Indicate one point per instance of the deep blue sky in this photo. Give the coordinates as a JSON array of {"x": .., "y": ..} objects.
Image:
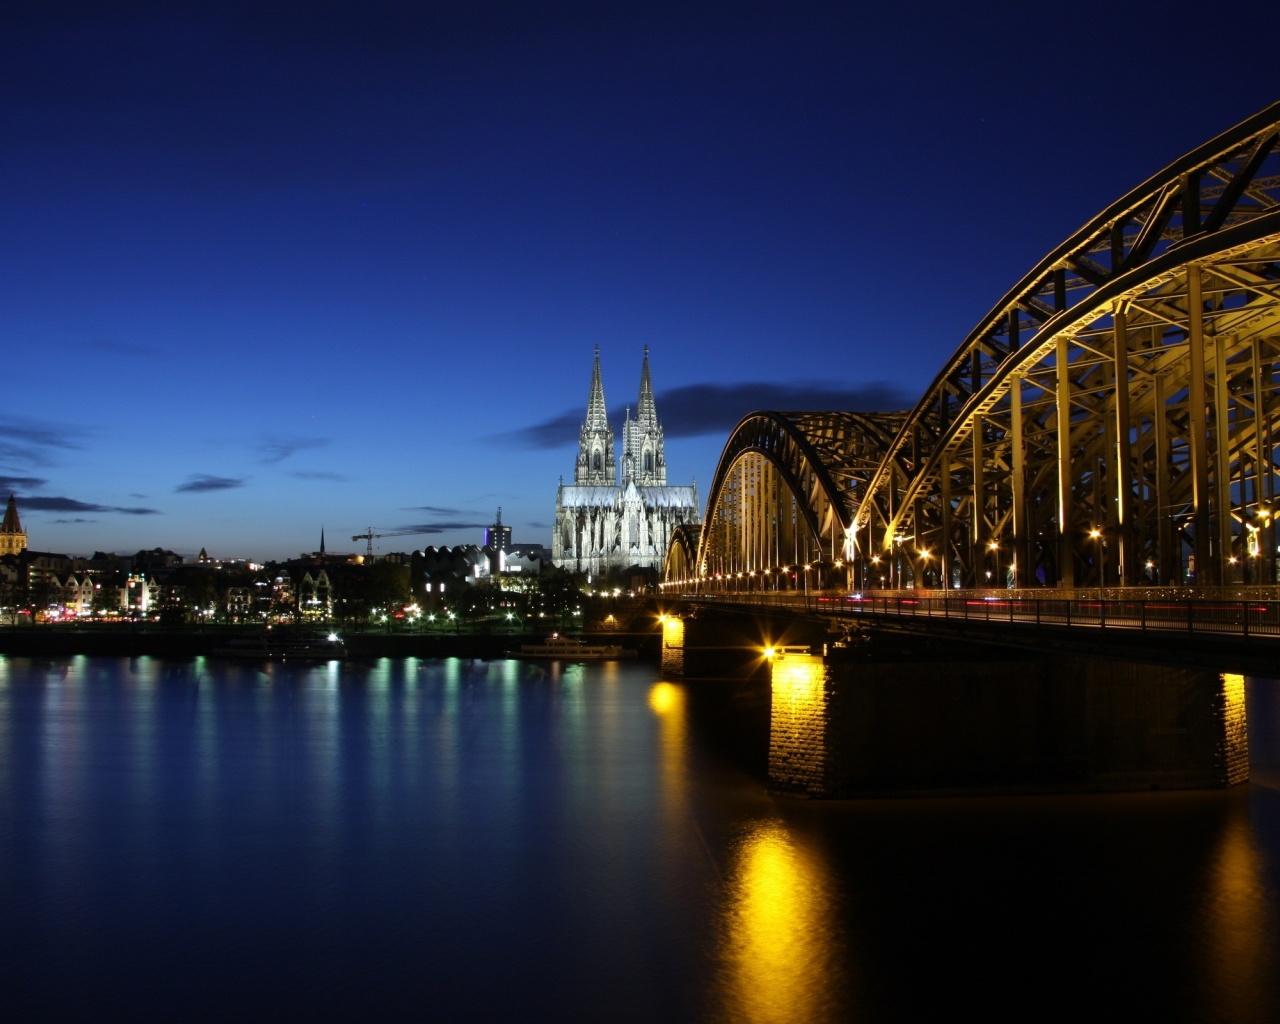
[{"x": 273, "y": 266}]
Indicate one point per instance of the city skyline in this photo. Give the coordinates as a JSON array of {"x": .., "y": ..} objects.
[{"x": 272, "y": 270}]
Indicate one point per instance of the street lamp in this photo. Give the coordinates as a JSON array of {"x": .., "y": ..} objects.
[
  {"x": 1096, "y": 534},
  {"x": 994, "y": 547}
]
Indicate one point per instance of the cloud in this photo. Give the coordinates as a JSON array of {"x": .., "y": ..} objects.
[
  {"x": 552, "y": 433},
  {"x": 698, "y": 410},
  {"x": 439, "y": 527},
  {"x": 20, "y": 483},
  {"x": 202, "y": 482},
  {"x": 279, "y": 449},
  {"x": 66, "y": 521},
  {"x": 701, "y": 409},
  {"x": 318, "y": 474},
  {"x": 436, "y": 509},
  {"x": 72, "y": 505},
  {"x": 32, "y": 442}
]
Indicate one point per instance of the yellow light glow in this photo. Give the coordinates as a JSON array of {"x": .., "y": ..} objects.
[
  {"x": 665, "y": 698},
  {"x": 781, "y": 942}
]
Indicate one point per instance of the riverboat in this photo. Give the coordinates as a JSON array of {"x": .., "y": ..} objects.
[
  {"x": 567, "y": 648},
  {"x": 284, "y": 645}
]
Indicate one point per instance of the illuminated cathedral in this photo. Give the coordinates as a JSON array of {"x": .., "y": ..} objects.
[{"x": 603, "y": 523}]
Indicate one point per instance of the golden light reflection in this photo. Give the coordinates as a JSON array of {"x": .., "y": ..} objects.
[
  {"x": 665, "y": 698},
  {"x": 1239, "y": 927},
  {"x": 781, "y": 946}
]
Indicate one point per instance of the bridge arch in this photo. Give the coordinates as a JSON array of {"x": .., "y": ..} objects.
[
  {"x": 682, "y": 552},
  {"x": 1114, "y": 420},
  {"x": 783, "y": 496}
]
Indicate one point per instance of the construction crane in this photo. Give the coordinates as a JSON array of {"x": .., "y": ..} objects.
[{"x": 370, "y": 536}]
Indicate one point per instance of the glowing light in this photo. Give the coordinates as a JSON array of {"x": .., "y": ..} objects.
[
  {"x": 665, "y": 698},
  {"x": 781, "y": 940}
]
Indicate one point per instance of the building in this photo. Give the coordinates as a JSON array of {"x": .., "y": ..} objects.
[
  {"x": 603, "y": 523},
  {"x": 13, "y": 540},
  {"x": 498, "y": 537}
]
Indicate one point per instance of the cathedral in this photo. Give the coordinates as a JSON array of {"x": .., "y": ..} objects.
[{"x": 602, "y": 524}]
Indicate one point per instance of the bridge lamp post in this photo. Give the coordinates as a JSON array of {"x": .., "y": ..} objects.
[
  {"x": 806, "y": 583},
  {"x": 1266, "y": 545},
  {"x": 1096, "y": 534},
  {"x": 994, "y": 548},
  {"x": 875, "y": 560},
  {"x": 924, "y": 568}
]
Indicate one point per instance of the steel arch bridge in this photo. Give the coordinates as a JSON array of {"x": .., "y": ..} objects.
[{"x": 1111, "y": 422}]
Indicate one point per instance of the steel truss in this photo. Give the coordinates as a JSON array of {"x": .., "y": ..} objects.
[
  {"x": 785, "y": 491},
  {"x": 1112, "y": 421}
]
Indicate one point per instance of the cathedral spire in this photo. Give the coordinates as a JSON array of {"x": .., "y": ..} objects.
[
  {"x": 643, "y": 460},
  {"x": 11, "y": 523},
  {"x": 13, "y": 540},
  {"x": 596, "y": 467},
  {"x": 646, "y": 411},
  {"x": 597, "y": 413}
]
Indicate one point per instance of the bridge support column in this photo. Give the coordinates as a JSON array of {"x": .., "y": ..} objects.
[
  {"x": 997, "y": 723},
  {"x": 671, "y": 662},
  {"x": 801, "y": 742}
]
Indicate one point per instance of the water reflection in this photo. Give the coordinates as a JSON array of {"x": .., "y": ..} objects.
[
  {"x": 780, "y": 940},
  {"x": 502, "y": 841},
  {"x": 1238, "y": 928}
]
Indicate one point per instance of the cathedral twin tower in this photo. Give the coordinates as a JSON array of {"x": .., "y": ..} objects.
[{"x": 602, "y": 524}]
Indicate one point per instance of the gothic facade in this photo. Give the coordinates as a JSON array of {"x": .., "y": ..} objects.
[{"x": 604, "y": 523}]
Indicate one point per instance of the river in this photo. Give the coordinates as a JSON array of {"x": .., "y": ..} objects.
[{"x": 452, "y": 840}]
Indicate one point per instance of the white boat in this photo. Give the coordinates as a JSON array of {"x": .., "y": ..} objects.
[
  {"x": 284, "y": 645},
  {"x": 567, "y": 648}
]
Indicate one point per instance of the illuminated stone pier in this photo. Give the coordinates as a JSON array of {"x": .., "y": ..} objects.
[
  {"x": 672, "y": 660},
  {"x": 843, "y": 728}
]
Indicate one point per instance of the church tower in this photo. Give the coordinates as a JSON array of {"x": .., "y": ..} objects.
[
  {"x": 643, "y": 460},
  {"x": 13, "y": 541},
  {"x": 596, "y": 466}
]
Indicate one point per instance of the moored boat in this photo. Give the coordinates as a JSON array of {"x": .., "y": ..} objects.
[
  {"x": 567, "y": 648},
  {"x": 284, "y": 645}
]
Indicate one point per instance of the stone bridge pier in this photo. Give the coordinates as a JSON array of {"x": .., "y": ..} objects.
[{"x": 843, "y": 725}]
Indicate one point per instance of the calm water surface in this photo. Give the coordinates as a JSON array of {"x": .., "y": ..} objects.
[{"x": 447, "y": 840}]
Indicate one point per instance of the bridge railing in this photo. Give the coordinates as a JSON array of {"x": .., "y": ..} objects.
[{"x": 1234, "y": 616}]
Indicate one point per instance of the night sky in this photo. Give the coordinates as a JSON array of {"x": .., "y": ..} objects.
[{"x": 273, "y": 267}]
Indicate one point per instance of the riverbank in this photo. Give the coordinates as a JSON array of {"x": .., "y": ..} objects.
[{"x": 55, "y": 640}]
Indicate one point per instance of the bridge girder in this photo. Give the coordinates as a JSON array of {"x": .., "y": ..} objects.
[
  {"x": 682, "y": 553},
  {"x": 786, "y": 487},
  {"x": 1113, "y": 420},
  {"x": 1116, "y": 411}
]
